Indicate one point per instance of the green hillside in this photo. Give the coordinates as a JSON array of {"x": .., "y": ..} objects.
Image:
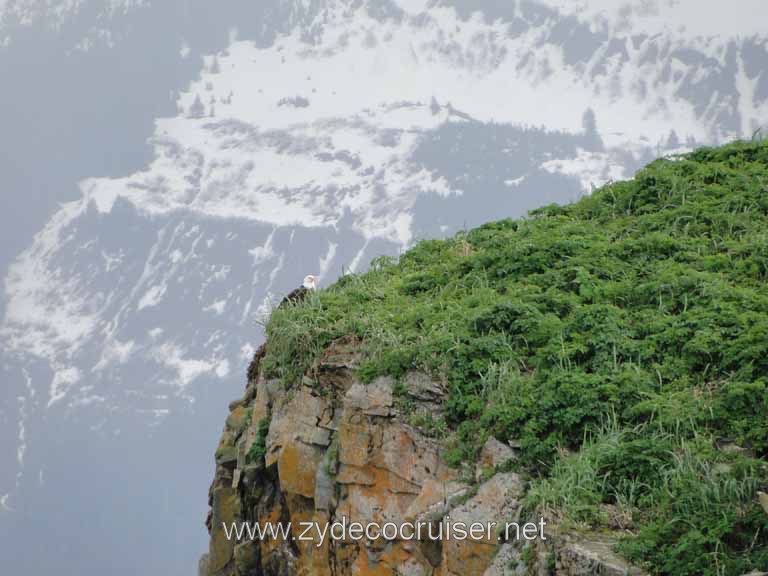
[{"x": 622, "y": 341}]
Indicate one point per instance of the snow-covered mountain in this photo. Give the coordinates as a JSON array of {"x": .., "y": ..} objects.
[{"x": 324, "y": 134}]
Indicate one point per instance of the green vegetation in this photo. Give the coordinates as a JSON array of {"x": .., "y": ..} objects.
[
  {"x": 331, "y": 460},
  {"x": 621, "y": 340},
  {"x": 258, "y": 449}
]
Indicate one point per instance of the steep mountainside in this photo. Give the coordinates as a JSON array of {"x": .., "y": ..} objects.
[{"x": 599, "y": 365}]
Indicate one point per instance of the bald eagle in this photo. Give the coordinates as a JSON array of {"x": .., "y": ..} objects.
[
  {"x": 294, "y": 297},
  {"x": 301, "y": 292}
]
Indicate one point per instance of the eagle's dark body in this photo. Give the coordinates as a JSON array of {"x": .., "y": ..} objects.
[{"x": 295, "y": 296}]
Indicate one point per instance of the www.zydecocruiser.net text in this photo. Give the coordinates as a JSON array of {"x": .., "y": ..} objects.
[{"x": 344, "y": 530}]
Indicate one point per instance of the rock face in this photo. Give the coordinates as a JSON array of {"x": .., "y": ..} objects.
[{"x": 332, "y": 449}]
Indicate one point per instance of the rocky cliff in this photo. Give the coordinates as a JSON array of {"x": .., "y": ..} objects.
[{"x": 332, "y": 448}]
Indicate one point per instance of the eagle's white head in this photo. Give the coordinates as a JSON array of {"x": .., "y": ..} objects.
[{"x": 309, "y": 282}]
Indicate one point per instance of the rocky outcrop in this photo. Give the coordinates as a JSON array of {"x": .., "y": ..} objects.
[
  {"x": 332, "y": 449},
  {"x": 562, "y": 554}
]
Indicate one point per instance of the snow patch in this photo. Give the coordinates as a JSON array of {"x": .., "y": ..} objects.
[
  {"x": 63, "y": 379},
  {"x": 114, "y": 351},
  {"x": 102, "y": 197},
  {"x": 327, "y": 259},
  {"x": 176, "y": 256},
  {"x": 514, "y": 182},
  {"x": 246, "y": 352},
  {"x": 217, "y": 307},
  {"x": 593, "y": 169},
  {"x": 48, "y": 312},
  {"x": 152, "y": 297},
  {"x": 222, "y": 368},
  {"x": 174, "y": 357}
]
